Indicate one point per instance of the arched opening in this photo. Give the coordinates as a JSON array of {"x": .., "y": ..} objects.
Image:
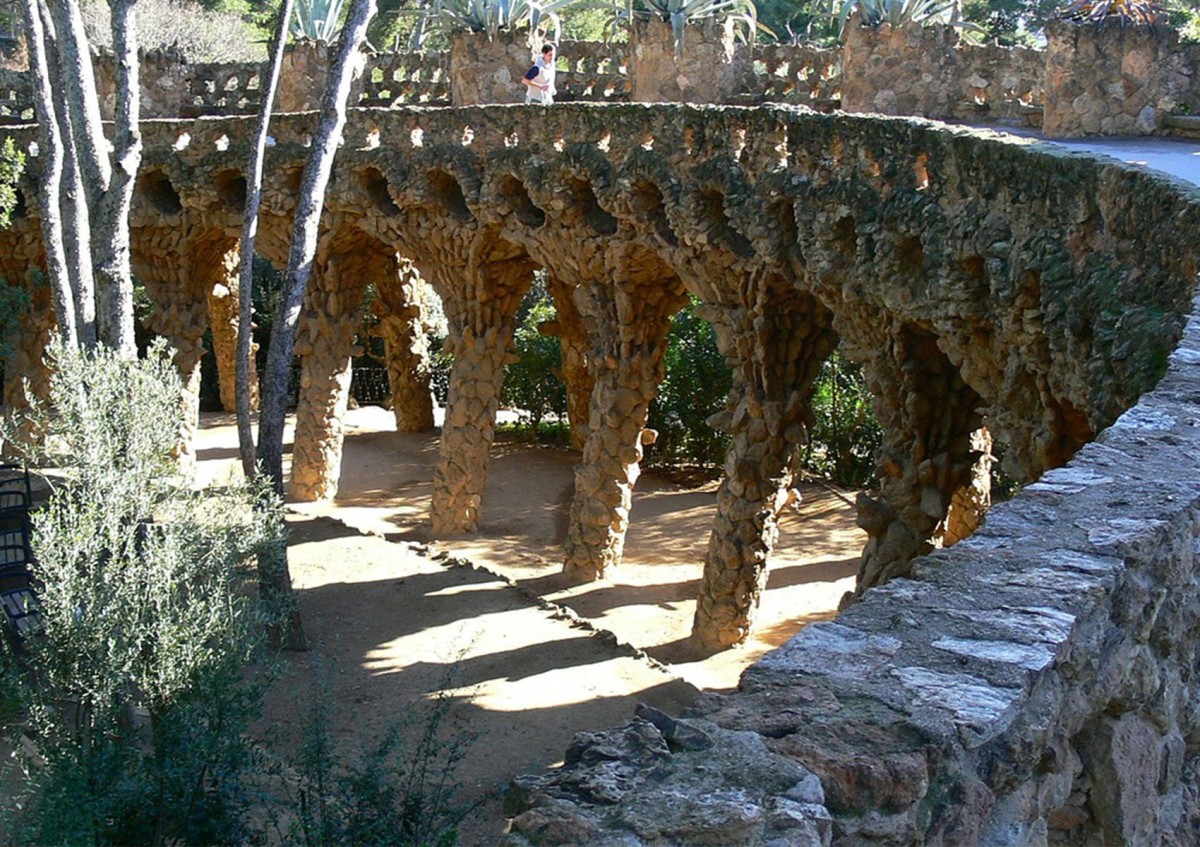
[
  {"x": 647, "y": 203},
  {"x": 514, "y": 194},
  {"x": 155, "y": 188},
  {"x": 231, "y": 189},
  {"x": 446, "y": 192},
  {"x": 715, "y": 220},
  {"x": 375, "y": 184}
]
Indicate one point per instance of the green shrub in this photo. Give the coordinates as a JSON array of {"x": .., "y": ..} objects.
[
  {"x": 845, "y": 434},
  {"x": 695, "y": 387},
  {"x": 134, "y": 697},
  {"x": 533, "y": 385},
  {"x": 401, "y": 792}
]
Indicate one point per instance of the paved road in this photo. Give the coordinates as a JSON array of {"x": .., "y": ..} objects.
[{"x": 1178, "y": 157}]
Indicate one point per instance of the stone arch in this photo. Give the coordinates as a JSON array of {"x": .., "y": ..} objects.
[
  {"x": 181, "y": 292},
  {"x": 627, "y": 316},
  {"x": 347, "y": 262},
  {"x": 774, "y": 337},
  {"x": 481, "y": 307}
]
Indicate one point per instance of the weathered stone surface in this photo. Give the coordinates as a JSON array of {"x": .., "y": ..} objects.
[{"x": 977, "y": 281}]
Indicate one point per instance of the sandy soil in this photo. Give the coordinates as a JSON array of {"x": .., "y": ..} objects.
[{"x": 528, "y": 661}]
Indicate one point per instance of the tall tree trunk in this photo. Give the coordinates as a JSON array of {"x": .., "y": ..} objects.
[
  {"x": 249, "y": 231},
  {"x": 97, "y": 223},
  {"x": 295, "y": 279},
  {"x": 274, "y": 576},
  {"x": 304, "y": 239},
  {"x": 52, "y": 172},
  {"x": 110, "y": 249}
]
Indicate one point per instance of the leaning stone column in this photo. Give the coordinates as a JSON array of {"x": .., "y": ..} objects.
[
  {"x": 26, "y": 376},
  {"x": 630, "y": 332},
  {"x": 180, "y": 316},
  {"x": 325, "y": 345},
  {"x": 481, "y": 329},
  {"x": 402, "y": 308},
  {"x": 223, "y": 317},
  {"x": 929, "y": 417},
  {"x": 775, "y": 355},
  {"x": 572, "y": 336}
]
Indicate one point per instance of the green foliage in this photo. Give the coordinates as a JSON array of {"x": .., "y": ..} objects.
[
  {"x": 845, "y": 434},
  {"x": 396, "y": 794},
  {"x": 134, "y": 698},
  {"x": 12, "y": 165},
  {"x": 494, "y": 16},
  {"x": 14, "y": 304},
  {"x": 200, "y": 33},
  {"x": 695, "y": 387},
  {"x": 1101, "y": 11},
  {"x": 678, "y": 13},
  {"x": 901, "y": 13},
  {"x": 316, "y": 20},
  {"x": 533, "y": 384}
]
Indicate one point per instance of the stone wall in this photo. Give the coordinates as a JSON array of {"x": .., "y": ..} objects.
[
  {"x": 1089, "y": 81},
  {"x": 785, "y": 73},
  {"x": 1117, "y": 80},
  {"x": 928, "y": 71},
  {"x": 1036, "y": 684},
  {"x": 1038, "y": 675}
]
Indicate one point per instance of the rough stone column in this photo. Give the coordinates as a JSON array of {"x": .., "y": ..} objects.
[
  {"x": 223, "y": 318},
  {"x": 775, "y": 352},
  {"x": 180, "y": 292},
  {"x": 325, "y": 346},
  {"x": 481, "y": 329},
  {"x": 969, "y": 504},
  {"x": 930, "y": 419},
  {"x": 572, "y": 335},
  {"x": 629, "y": 327},
  {"x": 26, "y": 377},
  {"x": 402, "y": 307}
]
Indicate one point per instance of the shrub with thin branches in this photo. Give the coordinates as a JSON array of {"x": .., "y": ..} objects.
[{"x": 197, "y": 33}]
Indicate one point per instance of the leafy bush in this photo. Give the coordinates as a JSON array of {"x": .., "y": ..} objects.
[
  {"x": 134, "y": 698},
  {"x": 845, "y": 434},
  {"x": 392, "y": 795},
  {"x": 199, "y": 34},
  {"x": 695, "y": 387},
  {"x": 533, "y": 385}
]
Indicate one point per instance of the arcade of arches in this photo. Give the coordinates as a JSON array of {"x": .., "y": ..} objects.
[{"x": 989, "y": 289}]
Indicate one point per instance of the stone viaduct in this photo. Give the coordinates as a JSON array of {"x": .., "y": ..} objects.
[{"x": 990, "y": 288}]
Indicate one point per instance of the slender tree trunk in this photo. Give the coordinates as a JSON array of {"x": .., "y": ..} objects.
[
  {"x": 52, "y": 172},
  {"x": 274, "y": 576},
  {"x": 98, "y": 195},
  {"x": 304, "y": 239},
  {"x": 249, "y": 231},
  {"x": 111, "y": 249}
]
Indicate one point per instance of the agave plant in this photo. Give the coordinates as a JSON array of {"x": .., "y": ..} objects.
[
  {"x": 316, "y": 19},
  {"x": 678, "y": 13},
  {"x": 493, "y": 16},
  {"x": 1101, "y": 11},
  {"x": 900, "y": 13}
]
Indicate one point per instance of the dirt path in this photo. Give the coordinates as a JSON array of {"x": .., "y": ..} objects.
[{"x": 528, "y": 660}]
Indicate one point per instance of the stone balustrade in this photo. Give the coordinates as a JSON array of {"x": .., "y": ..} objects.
[{"x": 1087, "y": 81}]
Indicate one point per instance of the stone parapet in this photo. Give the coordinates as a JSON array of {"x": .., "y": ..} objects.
[
  {"x": 1088, "y": 81},
  {"x": 1117, "y": 80},
  {"x": 929, "y": 71}
]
